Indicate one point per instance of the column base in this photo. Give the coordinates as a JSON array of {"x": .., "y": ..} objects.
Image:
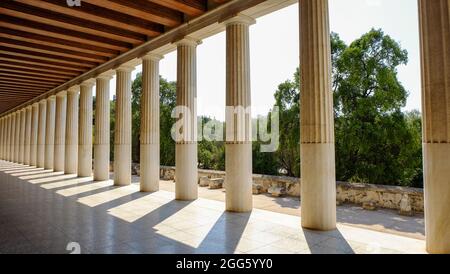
[
  {"x": 149, "y": 167},
  {"x": 101, "y": 162},
  {"x": 437, "y": 197},
  {"x": 318, "y": 186},
  {"x": 122, "y": 165},
  {"x": 186, "y": 173},
  {"x": 238, "y": 177},
  {"x": 84, "y": 160}
]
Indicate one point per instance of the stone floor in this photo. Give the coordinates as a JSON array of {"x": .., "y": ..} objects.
[{"x": 43, "y": 211}]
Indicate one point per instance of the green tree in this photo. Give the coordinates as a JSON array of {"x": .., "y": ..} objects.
[
  {"x": 374, "y": 143},
  {"x": 287, "y": 100}
]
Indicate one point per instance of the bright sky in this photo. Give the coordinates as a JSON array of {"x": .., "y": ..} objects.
[{"x": 275, "y": 45}]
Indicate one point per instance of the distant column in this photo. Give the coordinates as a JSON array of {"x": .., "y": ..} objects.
[
  {"x": 71, "y": 149},
  {"x": 102, "y": 128},
  {"x": 22, "y": 136},
  {"x": 122, "y": 131},
  {"x": 318, "y": 191},
  {"x": 2, "y": 132},
  {"x": 60, "y": 131},
  {"x": 434, "y": 17},
  {"x": 150, "y": 123},
  {"x": 186, "y": 175},
  {"x": 85, "y": 130},
  {"x": 17, "y": 138},
  {"x": 12, "y": 138},
  {"x": 50, "y": 133},
  {"x": 41, "y": 133},
  {"x": 34, "y": 133},
  {"x": 8, "y": 140},
  {"x": 238, "y": 148},
  {"x": 27, "y": 136}
]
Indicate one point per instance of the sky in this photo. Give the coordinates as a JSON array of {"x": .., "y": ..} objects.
[{"x": 274, "y": 51}]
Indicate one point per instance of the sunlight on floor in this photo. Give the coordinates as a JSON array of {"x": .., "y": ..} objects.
[{"x": 84, "y": 188}]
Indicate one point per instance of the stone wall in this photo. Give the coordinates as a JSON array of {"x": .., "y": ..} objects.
[{"x": 406, "y": 200}]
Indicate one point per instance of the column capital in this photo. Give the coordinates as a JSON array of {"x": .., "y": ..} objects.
[
  {"x": 88, "y": 83},
  {"x": 62, "y": 93},
  {"x": 128, "y": 66},
  {"x": 107, "y": 75},
  {"x": 29, "y": 107},
  {"x": 35, "y": 104},
  {"x": 188, "y": 41},
  {"x": 51, "y": 98},
  {"x": 152, "y": 56},
  {"x": 240, "y": 19},
  {"x": 73, "y": 89}
]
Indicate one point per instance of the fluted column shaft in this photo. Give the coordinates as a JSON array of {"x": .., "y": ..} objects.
[
  {"x": 318, "y": 191},
  {"x": 9, "y": 140},
  {"x": 102, "y": 128},
  {"x": 27, "y": 141},
  {"x": 238, "y": 146},
  {"x": 434, "y": 20},
  {"x": 50, "y": 133},
  {"x": 34, "y": 133},
  {"x": 41, "y": 133},
  {"x": 2, "y": 132},
  {"x": 60, "y": 131},
  {"x": 2, "y": 136},
  {"x": 186, "y": 176},
  {"x": 17, "y": 137},
  {"x": 122, "y": 132},
  {"x": 150, "y": 123},
  {"x": 85, "y": 130},
  {"x": 71, "y": 149},
  {"x": 22, "y": 136}
]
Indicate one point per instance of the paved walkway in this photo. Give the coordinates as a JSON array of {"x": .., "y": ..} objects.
[{"x": 42, "y": 212}]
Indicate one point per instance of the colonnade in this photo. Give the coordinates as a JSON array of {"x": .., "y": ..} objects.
[{"x": 56, "y": 132}]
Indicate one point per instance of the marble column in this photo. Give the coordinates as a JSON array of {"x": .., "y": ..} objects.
[
  {"x": 34, "y": 133},
  {"x": 149, "y": 158},
  {"x": 60, "y": 131},
  {"x": 22, "y": 136},
  {"x": 102, "y": 127},
  {"x": 17, "y": 137},
  {"x": 26, "y": 159},
  {"x": 41, "y": 133},
  {"x": 318, "y": 191},
  {"x": 238, "y": 146},
  {"x": 2, "y": 138},
  {"x": 2, "y": 131},
  {"x": 85, "y": 130},
  {"x": 434, "y": 20},
  {"x": 10, "y": 148},
  {"x": 71, "y": 148},
  {"x": 122, "y": 132},
  {"x": 50, "y": 133},
  {"x": 186, "y": 176}
]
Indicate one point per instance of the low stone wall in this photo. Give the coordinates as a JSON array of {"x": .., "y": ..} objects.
[{"x": 406, "y": 200}]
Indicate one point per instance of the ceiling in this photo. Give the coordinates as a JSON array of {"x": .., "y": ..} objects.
[{"x": 45, "y": 43}]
